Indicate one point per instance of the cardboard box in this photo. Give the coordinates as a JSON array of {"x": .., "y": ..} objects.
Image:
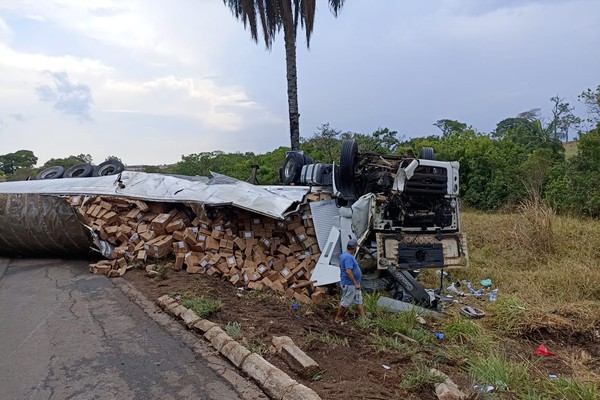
[
  {"x": 179, "y": 259},
  {"x": 178, "y": 235},
  {"x": 148, "y": 236},
  {"x": 212, "y": 243},
  {"x": 175, "y": 225},
  {"x": 239, "y": 242}
]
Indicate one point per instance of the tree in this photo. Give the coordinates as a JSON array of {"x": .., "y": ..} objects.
[
  {"x": 448, "y": 126},
  {"x": 115, "y": 158},
  {"x": 275, "y": 15},
  {"x": 591, "y": 99},
  {"x": 10, "y": 162},
  {"x": 324, "y": 146},
  {"x": 562, "y": 118},
  {"x": 66, "y": 162}
]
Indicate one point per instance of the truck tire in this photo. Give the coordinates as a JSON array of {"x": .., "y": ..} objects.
[
  {"x": 427, "y": 153},
  {"x": 292, "y": 167},
  {"x": 81, "y": 170},
  {"x": 55, "y": 172},
  {"x": 348, "y": 168},
  {"x": 109, "y": 167}
]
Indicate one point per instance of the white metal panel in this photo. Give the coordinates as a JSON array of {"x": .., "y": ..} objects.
[{"x": 167, "y": 188}]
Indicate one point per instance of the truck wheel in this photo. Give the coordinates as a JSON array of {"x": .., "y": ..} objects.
[
  {"x": 81, "y": 170},
  {"x": 348, "y": 168},
  {"x": 427, "y": 153},
  {"x": 55, "y": 172},
  {"x": 109, "y": 167},
  {"x": 292, "y": 167}
]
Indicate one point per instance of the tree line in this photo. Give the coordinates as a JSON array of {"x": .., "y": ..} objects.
[{"x": 523, "y": 157}]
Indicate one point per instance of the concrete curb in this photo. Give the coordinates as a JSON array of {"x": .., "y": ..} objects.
[{"x": 276, "y": 383}]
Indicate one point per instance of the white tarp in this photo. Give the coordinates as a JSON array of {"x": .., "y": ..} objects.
[{"x": 220, "y": 190}]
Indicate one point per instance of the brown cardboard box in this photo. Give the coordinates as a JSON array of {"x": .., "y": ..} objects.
[
  {"x": 175, "y": 225},
  {"x": 284, "y": 250},
  {"x": 212, "y": 243},
  {"x": 191, "y": 260},
  {"x": 239, "y": 242},
  {"x": 179, "y": 259},
  {"x": 148, "y": 236},
  {"x": 180, "y": 247},
  {"x": 178, "y": 235},
  {"x": 159, "y": 224}
]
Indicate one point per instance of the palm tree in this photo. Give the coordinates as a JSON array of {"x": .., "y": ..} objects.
[{"x": 275, "y": 15}]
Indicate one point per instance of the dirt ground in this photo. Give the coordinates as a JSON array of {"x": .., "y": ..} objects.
[{"x": 355, "y": 371}]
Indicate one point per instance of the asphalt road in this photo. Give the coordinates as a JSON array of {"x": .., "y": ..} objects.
[{"x": 67, "y": 334}]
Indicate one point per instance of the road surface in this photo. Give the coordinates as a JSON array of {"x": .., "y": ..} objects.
[{"x": 67, "y": 334}]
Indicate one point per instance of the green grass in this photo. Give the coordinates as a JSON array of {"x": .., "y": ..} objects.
[
  {"x": 327, "y": 338},
  {"x": 508, "y": 313},
  {"x": 570, "y": 389},
  {"x": 384, "y": 343},
  {"x": 202, "y": 307},
  {"x": 501, "y": 373},
  {"x": 370, "y": 302},
  {"x": 420, "y": 378},
  {"x": 257, "y": 347},
  {"x": 161, "y": 273},
  {"x": 234, "y": 330},
  {"x": 405, "y": 323}
]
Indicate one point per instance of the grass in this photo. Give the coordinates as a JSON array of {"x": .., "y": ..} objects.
[
  {"x": 573, "y": 390},
  {"x": 420, "y": 379},
  {"x": 203, "y": 307},
  {"x": 520, "y": 379},
  {"x": 257, "y": 347},
  {"x": 501, "y": 373},
  {"x": 405, "y": 323},
  {"x": 234, "y": 330},
  {"x": 161, "y": 273},
  {"x": 370, "y": 302},
  {"x": 384, "y": 343}
]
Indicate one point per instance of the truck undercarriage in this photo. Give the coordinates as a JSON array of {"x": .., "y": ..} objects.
[{"x": 408, "y": 215}]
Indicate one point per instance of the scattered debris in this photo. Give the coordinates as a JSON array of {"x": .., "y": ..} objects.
[
  {"x": 447, "y": 390},
  {"x": 472, "y": 312},
  {"x": 486, "y": 283},
  {"x": 542, "y": 351}
]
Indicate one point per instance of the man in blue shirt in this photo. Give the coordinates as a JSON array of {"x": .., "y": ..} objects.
[{"x": 350, "y": 279}]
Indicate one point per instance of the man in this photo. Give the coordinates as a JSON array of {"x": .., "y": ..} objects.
[{"x": 350, "y": 279}]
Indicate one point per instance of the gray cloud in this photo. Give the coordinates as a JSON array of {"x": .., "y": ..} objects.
[
  {"x": 66, "y": 96},
  {"x": 18, "y": 117}
]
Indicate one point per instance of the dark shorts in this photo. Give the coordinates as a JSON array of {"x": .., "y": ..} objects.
[{"x": 351, "y": 295}]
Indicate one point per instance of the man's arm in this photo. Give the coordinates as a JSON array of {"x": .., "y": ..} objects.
[{"x": 351, "y": 276}]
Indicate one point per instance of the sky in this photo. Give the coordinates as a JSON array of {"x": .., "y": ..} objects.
[{"x": 151, "y": 80}]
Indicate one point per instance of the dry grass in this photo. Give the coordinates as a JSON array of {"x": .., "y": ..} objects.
[{"x": 544, "y": 260}]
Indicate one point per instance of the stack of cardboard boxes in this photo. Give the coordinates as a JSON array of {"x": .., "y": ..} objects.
[{"x": 246, "y": 249}]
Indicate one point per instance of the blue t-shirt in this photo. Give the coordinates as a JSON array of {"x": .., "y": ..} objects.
[{"x": 347, "y": 261}]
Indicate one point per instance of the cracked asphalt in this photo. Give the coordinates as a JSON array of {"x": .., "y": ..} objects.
[{"x": 67, "y": 334}]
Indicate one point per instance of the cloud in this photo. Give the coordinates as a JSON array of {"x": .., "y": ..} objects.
[
  {"x": 18, "y": 117},
  {"x": 6, "y": 34},
  {"x": 66, "y": 96}
]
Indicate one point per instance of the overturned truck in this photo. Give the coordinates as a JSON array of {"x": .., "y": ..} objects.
[{"x": 403, "y": 210}]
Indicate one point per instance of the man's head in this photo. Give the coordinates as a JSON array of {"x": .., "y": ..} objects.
[{"x": 352, "y": 245}]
